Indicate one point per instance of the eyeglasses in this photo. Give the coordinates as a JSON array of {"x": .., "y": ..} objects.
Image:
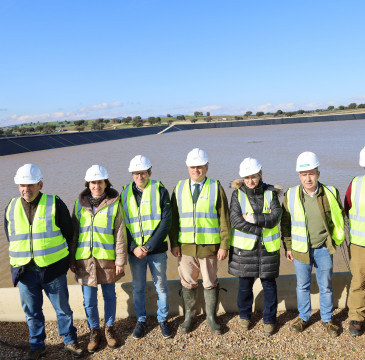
[{"x": 142, "y": 174}]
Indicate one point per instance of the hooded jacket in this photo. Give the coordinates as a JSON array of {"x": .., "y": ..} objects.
[
  {"x": 256, "y": 262},
  {"x": 92, "y": 271}
]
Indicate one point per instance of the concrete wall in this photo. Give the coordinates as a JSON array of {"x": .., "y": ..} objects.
[{"x": 10, "y": 309}]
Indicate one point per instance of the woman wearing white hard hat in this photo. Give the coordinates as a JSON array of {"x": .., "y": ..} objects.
[
  {"x": 98, "y": 250},
  {"x": 255, "y": 212}
]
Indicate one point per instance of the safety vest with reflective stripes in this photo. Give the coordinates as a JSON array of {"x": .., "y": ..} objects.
[
  {"x": 142, "y": 221},
  {"x": 246, "y": 241},
  {"x": 96, "y": 232},
  {"x": 357, "y": 211},
  {"x": 299, "y": 233},
  {"x": 41, "y": 241},
  {"x": 199, "y": 223}
]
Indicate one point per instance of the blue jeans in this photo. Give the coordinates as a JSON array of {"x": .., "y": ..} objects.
[
  {"x": 323, "y": 264},
  {"x": 245, "y": 299},
  {"x": 91, "y": 304},
  {"x": 157, "y": 265},
  {"x": 30, "y": 289}
]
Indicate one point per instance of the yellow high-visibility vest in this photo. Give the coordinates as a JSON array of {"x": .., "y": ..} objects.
[{"x": 357, "y": 211}]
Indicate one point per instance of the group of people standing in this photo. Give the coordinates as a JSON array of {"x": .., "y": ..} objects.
[{"x": 108, "y": 229}]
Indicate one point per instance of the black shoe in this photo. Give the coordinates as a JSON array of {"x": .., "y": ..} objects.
[
  {"x": 355, "y": 328},
  {"x": 139, "y": 330},
  {"x": 165, "y": 329},
  {"x": 35, "y": 354}
]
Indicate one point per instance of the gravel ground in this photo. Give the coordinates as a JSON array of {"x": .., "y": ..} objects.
[{"x": 200, "y": 344}]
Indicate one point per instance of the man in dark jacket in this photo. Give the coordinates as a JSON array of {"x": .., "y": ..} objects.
[
  {"x": 147, "y": 214},
  {"x": 255, "y": 245},
  {"x": 39, "y": 228}
]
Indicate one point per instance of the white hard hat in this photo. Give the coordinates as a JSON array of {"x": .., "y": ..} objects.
[
  {"x": 249, "y": 166},
  {"x": 28, "y": 174},
  {"x": 139, "y": 163},
  {"x": 96, "y": 172},
  {"x": 196, "y": 157},
  {"x": 362, "y": 158},
  {"x": 307, "y": 161}
]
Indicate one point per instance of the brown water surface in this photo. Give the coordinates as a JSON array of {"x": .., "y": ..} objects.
[{"x": 277, "y": 146}]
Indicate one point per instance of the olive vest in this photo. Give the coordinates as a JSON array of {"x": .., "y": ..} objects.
[
  {"x": 357, "y": 211},
  {"x": 199, "y": 223},
  {"x": 299, "y": 233},
  {"x": 246, "y": 241},
  {"x": 96, "y": 232},
  {"x": 41, "y": 241},
  {"x": 142, "y": 220}
]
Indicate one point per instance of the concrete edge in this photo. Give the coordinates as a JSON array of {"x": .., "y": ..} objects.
[{"x": 10, "y": 307}]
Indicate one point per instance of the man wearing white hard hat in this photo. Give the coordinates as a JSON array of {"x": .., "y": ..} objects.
[
  {"x": 312, "y": 225},
  {"x": 200, "y": 235},
  {"x": 355, "y": 210},
  {"x": 98, "y": 251},
  {"x": 147, "y": 213},
  {"x": 255, "y": 212},
  {"x": 39, "y": 229}
]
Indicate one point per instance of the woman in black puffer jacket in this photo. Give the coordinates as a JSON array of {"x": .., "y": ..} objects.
[{"x": 255, "y": 246}]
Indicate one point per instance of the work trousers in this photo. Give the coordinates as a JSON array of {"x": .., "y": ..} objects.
[
  {"x": 190, "y": 266},
  {"x": 356, "y": 302}
]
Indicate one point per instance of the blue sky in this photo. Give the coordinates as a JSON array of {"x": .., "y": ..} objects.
[{"x": 84, "y": 59}]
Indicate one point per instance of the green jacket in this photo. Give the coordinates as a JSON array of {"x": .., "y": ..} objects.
[{"x": 325, "y": 210}]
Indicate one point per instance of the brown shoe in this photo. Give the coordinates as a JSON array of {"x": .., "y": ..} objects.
[
  {"x": 269, "y": 329},
  {"x": 332, "y": 329},
  {"x": 245, "y": 324},
  {"x": 355, "y": 328},
  {"x": 110, "y": 337},
  {"x": 299, "y": 325},
  {"x": 74, "y": 349},
  {"x": 93, "y": 345}
]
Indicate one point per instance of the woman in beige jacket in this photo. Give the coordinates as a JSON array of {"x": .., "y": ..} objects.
[{"x": 98, "y": 250}]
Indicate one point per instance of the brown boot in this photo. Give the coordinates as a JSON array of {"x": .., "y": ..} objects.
[
  {"x": 95, "y": 335},
  {"x": 110, "y": 337}
]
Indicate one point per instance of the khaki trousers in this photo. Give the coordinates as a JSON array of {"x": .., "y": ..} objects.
[
  {"x": 356, "y": 302},
  {"x": 189, "y": 267}
]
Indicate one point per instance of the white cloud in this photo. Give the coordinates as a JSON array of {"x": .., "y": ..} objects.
[
  {"x": 88, "y": 112},
  {"x": 209, "y": 108}
]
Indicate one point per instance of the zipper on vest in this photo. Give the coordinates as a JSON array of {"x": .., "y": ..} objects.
[
  {"x": 31, "y": 241},
  {"x": 140, "y": 225},
  {"x": 92, "y": 234},
  {"x": 194, "y": 221}
]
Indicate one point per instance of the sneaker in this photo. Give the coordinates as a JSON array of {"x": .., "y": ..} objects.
[
  {"x": 94, "y": 342},
  {"x": 110, "y": 337},
  {"x": 355, "y": 328},
  {"x": 332, "y": 329},
  {"x": 245, "y": 324},
  {"x": 299, "y": 325},
  {"x": 165, "y": 329},
  {"x": 139, "y": 330},
  {"x": 35, "y": 353},
  {"x": 74, "y": 349},
  {"x": 269, "y": 329}
]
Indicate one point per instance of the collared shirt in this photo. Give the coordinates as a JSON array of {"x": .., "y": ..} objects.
[
  {"x": 192, "y": 187},
  {"x": 311, "y": 195}
]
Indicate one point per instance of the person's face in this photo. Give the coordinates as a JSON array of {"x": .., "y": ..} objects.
[
  {"x": 198, "y": 173},
  {"x": 97, "y": 187},
  {"x": 309, "y": 180},
  {"x": 252, "y": 181},
  {"x": 30, "y": 191},
  {"x": 141, "y": 178}
]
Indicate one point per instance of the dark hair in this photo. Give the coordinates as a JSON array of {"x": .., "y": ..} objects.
[{"x": 107, "y": 183}]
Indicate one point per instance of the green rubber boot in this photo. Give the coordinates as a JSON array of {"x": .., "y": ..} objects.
[
  {"x": 211, "y": 302},
  {"x": 189, "y": 297}
]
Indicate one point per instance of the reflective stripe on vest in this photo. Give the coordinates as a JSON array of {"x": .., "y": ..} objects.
[
  {"x": 199, "y": 222},
  {"x": 357, "y": 211},
  {"x": 96, "y": 232},
  {"x": 142, "y": 221},
  {"x": 246, "y": 241},
  {"x": 298, "y": 219},
  {"x": 42, "y": 241}
]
